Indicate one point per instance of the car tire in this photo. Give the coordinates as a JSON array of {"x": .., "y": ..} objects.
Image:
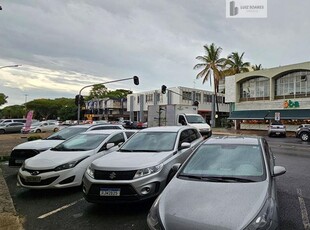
[
  {"x": 2, "y": 131},
  {"x": 38, "y": 131},
  {"x": 304, "y": 136}
]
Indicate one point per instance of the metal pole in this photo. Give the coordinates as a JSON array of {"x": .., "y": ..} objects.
[{"x": 79, "y": 104}]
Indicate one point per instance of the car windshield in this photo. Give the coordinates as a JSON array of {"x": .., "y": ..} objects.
[
  {"x": 66, "y": 133},
  {"x": 226, "y": 163},
  {"x": 81, "y": 142},
  {"x": 195, "y": 119},
  {"x": 150, "y": 142}
]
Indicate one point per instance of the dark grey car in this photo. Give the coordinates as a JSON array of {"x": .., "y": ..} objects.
[
  {"x": 227, "y": 183},
  {"x": 12, "y": 127}
]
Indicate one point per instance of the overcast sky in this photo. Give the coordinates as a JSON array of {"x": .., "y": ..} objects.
[{"x": 64, "y": 45}]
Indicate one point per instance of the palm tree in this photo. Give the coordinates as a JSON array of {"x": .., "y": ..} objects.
[
  {"x": 235, "y": 64},
  {"x": 211, "y": 65},
  {"x": 257, "y": 67}
]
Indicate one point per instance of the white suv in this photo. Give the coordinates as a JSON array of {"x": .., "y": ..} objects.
[{"x": 141, "y": 168}]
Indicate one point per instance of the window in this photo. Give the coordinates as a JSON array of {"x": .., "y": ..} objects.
[
  {"x": 255, "y": 88},
  {"x": 293, "y": 85},
  {"x": 186, "y": 95},
  {"x": 116, "y": 139},
  {"x": 198, "y": 97},
  {"x": 149, "y": 97}
]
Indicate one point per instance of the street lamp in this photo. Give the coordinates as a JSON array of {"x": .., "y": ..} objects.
[
  {"x": 9, "y": 66},
  {"x": 135, "y": 81}
]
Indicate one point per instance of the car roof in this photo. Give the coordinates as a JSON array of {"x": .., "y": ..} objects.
[
  {"x": 239, "y": 140},
  {"x": 165, "y": 129}
]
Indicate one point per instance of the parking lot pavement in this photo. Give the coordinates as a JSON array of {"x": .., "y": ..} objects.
[{"x": 9, "y": 220}]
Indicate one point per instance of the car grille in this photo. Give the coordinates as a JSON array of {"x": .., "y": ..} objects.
[
  {"x": 21, "y": 155},
  {"x": 41, "y": 183},
  {"x": 37, "y": 172},
  {"x": 114, "y": 175}
]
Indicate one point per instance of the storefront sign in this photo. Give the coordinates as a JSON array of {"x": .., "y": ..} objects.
[{"x": 290, "y": 104}]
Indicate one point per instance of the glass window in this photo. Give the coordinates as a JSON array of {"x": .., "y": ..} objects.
[{"x": 255, "y": 88}]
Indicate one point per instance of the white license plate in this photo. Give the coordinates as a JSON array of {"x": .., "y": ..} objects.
[
  {"x": 110, "y": 192},
  {"x": 19, "y": 161},
  {"x": 36, "y": 179},
  {"x": 277, "y": 133}
]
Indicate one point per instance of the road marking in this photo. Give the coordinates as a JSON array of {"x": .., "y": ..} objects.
[
  {"x": 304, "y": 213},
  {"x": 58, "y": 209}
]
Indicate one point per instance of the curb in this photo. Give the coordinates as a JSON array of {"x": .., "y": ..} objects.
[{"x": 9, "y": 220}]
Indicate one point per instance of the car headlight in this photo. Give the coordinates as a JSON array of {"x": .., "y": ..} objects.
[
  {"x": 90, "y": 171},
  {"x": 264, "y": 218},
  {"x": 148, "y": 171},
  {"x": 68, "y": 165},
  {"x": 153, "y": 218}
]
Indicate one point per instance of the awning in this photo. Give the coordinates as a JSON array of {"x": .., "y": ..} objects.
[
  {"x": 289, "y": 114},
  {"x": 248, "y": 115}
]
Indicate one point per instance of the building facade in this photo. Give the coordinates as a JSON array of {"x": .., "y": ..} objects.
[
  {"x": 137, "y": 103},
  {"x": 258, "y": 97}
]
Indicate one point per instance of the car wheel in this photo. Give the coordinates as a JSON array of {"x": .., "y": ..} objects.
[
  {"x": 56, "y": 129},
  {"x": 304, "y": 136},
  {"x": 38, "y": 131},
  {"x": 2, "y": 131}
]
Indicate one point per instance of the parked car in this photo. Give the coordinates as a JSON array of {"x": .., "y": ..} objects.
[
  {"x": 44, "y": 126},
  {"x": 29, "y": 149},
  {"x": 12, "y": 127},
  {"x": 141, "y": 167},
  {"x": 227, "y": 183},
  {"x": 20, "y": 120},
  {"x": 64, "y": 165},
  {"x": 276, "y": 129},
  {"x": 303, "y": 132}
]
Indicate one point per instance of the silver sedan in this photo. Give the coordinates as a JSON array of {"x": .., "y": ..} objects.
[{"x": 227, "y": 183}]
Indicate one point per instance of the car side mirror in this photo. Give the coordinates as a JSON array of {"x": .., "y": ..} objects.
[
  {"x": 173, "y": 171},
  {"x": 109, "y": 145},
  {"x": 185, "y": 145},
  {"x": 278, "y": 170}
]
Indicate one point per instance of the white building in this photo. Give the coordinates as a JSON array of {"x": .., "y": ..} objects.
[
  {"x": 256, "y": 96},
  {"x": 137, "y": 103}
]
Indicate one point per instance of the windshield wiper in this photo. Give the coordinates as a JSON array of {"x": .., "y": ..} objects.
[
  {"x": 143, "y": 150},
  {"x": 190, "y": 176},
  {"x": 125, "y": 150},
  {"x": 227, "y": 179}
]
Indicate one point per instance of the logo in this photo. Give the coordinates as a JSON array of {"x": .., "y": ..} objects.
[
  {"x": 34, "y": 173},
  {"x": 233, "y": 9},
  {"x": 112, "y": 175},
  {"x": 246, "y": 9},
  {"x": 290, "y": 104}
]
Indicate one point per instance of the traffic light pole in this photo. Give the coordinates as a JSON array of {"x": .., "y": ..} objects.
[{"x": 135, "y": 79}]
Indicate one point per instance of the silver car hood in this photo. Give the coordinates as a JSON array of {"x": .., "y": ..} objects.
[
  {"x": 130, "y": 160},
  {"x": 51, "y": 159},
  {"x": 39, "y": 144},
  {"x": 186, "y": 204}
]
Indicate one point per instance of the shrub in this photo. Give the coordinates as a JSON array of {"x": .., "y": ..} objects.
[{"x": 32, "y": 138}]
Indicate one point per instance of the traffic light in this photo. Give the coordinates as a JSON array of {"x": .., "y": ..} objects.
[
  {"x": 163, "y": 89},
  {"x": 196, "y": 103},
  {"x": 136, "y": 80},
  {"x": 76, "y": 100}
]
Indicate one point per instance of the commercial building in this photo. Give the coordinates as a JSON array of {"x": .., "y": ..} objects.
[
  {"x": 258, "y": 97},
  {"x": 137, "y": 103}
]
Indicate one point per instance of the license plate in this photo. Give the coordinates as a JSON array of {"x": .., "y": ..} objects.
[
  {"x": 36, "y": 179},
  {"x": 110, "y": 192},
  {"x": 19, "y": 161},
  {"x": 277, "y": 133}
]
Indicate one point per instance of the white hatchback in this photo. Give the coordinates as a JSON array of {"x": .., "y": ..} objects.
[{"x": 64, "y": 165}]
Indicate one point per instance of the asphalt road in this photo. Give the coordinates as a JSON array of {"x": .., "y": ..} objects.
[{"x": 66, "y": 209}]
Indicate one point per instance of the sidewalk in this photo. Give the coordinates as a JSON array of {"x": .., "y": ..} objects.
[
  {"x": 9, "y": 220},
  {"x": 231, "y": 131}
]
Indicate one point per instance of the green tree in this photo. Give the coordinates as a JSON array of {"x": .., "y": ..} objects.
[
  {"x": 119, "y": 93},
  {"x": 211, "y": 65},
  {"x": 97, "y": 91},
  {"x": 234, "y": 64},
  {"x": 14, "y": 111},
  {"x": 257, "y": 67},
  {"x": 43, "y": 108},
  {"x": 3, "y": 99}
]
